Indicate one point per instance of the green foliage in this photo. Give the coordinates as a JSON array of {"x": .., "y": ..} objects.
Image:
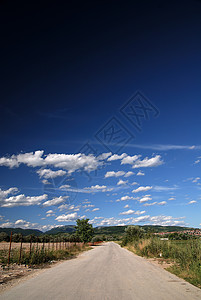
[
  {"x": 185, "y": 253},
  {"x": 62, "y": 229},
  {"x": 178, "y": 236},
  {"x": 4, "y": 237},
  {"x": 116, "y": 231},
  {"x": 40, "y": 255},
  {"x": 96, "y": 238},
  {"x": 132, "y": 233},
  {"x": 24, "y": 232},
  {"x": 84, "y": 230}
]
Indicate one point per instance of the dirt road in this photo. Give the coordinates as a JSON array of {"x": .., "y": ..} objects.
[{"x": 106, "y": 272}]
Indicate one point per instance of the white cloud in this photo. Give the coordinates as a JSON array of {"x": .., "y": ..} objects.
[
  {"x": 134, "y": 183},
  {"x": 164, "y": 188},
  {"x": 192, "y": 202},
  {"x": 171, "y": 199},
  {"x": 47, "y": 173},
  {"x": 162, "y": 203},
  {"x": 148, "y": 162},
  {"x": 145, "y": 199},
  {"x": 67, "y": 218},
  {"x": 104, "y": 156},
  {"x": 129, "y": 159},
  {"x": 162, "y": 147},
  {"x": 73, "y": 162},
  {"x": 142, "y": 189},
  {"x": 160, "y": 220},
  {"x": 128, "y": 212},
  {"x": 140, "y": 173},
  {"x": 122, "y": 182},
  {"x": 156, "y": 203},
  {"x": 126, "y": 206},
  {"x": 63, "y": 207},
  {"x": 147, "y": 219},
  {"x": 116, "y": 157},
  {"x": 88, "y": 205},
  {"x": 128, "y": 174},
  {"x": 118, "y": 174},
  {"x": 69, "y": 162},
  {"x": 98, "y": 188},
  {"x": 49, "y": 211},
  {"x": 65, "y": 186},
  {"x": 32, "y": 159},
  {"x": 7, "y": 225},
  {"x": 113, "y": 222},
  {"x": 55, "y": 201},
  {"x": 20, "y": 223},
  {"x": 195, "y": 180},
  {"x": 114, "y": 174},
  {"x": 95, "y": 209},
  {"x": 45, "y": 181},
  {"x": 125, "y": 198},
  {"x": 22, "y": 200},
  {"x": 27, "y": 225},
  {"x": 5, "y": 193},
  {"x": 138, "y": 212},
  {"x": 150, "y": 204}
]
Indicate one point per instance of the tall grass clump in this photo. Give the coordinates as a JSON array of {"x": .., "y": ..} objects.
[
  {"x": 40, "y": 255},
  {"x": 185, "y": 255}
]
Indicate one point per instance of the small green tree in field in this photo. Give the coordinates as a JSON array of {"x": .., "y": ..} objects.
[
  {"x": 84, "y": 230},
  {"x": 132, "y": 233},
  {"x": 4, "y": 237}
]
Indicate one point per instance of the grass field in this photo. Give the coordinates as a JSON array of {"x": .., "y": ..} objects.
[
  {"x": 184, "y": 255},
  {"x": 38, "y": 253}
]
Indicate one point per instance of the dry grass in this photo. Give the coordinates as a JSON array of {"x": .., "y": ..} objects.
[
  {"x": 182, "y": 258},
  {"x": 48, "y": 246}
]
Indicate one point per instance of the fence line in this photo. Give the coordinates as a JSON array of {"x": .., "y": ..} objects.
[{"x": 54, "y": 244}]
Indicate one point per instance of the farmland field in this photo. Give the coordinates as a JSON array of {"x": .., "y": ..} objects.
[{"x": 37, "y": 253}]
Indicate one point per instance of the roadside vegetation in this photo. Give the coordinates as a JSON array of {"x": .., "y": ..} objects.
[
  {"x": 34, "y": 250},
  {"x": 181, "y": 251}
]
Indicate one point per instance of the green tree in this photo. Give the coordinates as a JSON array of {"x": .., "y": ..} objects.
[
  {"x": 84, "y": 230},
  {"x": 4, "y": 237},
  {"x": 132, "y": 233},
  {"x": 16, "y": 237}
]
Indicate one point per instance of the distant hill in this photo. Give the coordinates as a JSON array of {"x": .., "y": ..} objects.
[
  {"x": 119, "y": 230},
  {"x": 110, "y": 230},
  {"x": 24, "y": 232},
  {"x": 106, "y": 230},
  {"x": 62, "y": 229},
  {"x": 158, "y": 228}
]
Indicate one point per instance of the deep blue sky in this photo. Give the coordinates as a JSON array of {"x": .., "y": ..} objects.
[{"x": 67, "y": 69}]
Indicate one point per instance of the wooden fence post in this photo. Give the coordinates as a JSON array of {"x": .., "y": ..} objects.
[
  {"x": 20, "y": 250},
  {"x": 37, "y": 243},
  {"x": 30, "y": 246},
  {"x": 10, "y": 248}
]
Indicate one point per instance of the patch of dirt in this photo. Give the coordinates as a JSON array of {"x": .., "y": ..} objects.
[
  {"x": 14, "y": 274},
  {"x": 161, "y": 262}
]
